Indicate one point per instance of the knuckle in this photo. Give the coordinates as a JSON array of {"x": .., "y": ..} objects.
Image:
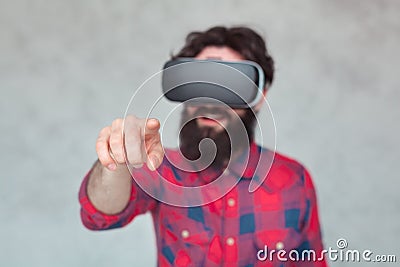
[
  {"x": 116, "y": 133},
  {"x": 104, "y": 131},
  {"x": 103, "y": 158},
  {"x": 118, "y": 154},
  {"x": 130, "y": 116},
  {"x": 115, "y": 142},
  {"x": 117, "y": 123},
  {"x": 99, "y": 145}
]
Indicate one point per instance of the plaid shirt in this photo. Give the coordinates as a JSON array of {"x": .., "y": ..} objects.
[{"x": 233, "y": 230}]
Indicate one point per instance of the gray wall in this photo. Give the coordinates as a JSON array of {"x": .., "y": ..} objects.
[{"x": 68, "y": 68}]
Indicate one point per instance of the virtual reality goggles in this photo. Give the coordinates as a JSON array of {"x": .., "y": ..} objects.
[{"x": 237, "y": 84}]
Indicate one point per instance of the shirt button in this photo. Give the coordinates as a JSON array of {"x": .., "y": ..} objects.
[
  {"x": 279, "y": 245},
  {"x": 231, "y": 202},
  {"x": 185, "y": 234},
  {"x": 230, "y": 241}
]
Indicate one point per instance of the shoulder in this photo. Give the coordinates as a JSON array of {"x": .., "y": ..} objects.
[
  {"x": 288, "y": 164},
  {"x": 285, "y": 172}
]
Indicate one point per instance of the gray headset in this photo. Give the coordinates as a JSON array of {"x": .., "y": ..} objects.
[{"x": 238, "y": 84}]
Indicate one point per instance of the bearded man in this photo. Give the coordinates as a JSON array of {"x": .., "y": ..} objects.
[{"x": 239, "y": 228}]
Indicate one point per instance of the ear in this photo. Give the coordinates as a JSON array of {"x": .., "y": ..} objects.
[{"x": 258, "y": 106}]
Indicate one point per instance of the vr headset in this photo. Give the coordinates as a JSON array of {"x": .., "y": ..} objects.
[{"x": 237, "y": 84}]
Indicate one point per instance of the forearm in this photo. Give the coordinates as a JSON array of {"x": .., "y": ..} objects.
[{"x": 109, "y": 191}]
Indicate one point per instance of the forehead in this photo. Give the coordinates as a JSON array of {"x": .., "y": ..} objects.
[{"x": 220, "y": 53}]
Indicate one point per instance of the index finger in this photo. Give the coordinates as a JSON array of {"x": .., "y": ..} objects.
[{"x": 151, "y": 127}]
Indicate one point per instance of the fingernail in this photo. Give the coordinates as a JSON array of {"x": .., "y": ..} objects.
[
  {"x": 112, "y": 167},
  {"x": 137, "y": 166}
]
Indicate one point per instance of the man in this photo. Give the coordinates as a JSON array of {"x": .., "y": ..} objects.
[{"x": 240, "y": 228}]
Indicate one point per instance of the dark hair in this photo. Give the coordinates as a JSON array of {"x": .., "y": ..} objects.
[{"x": 243, "y": 40}]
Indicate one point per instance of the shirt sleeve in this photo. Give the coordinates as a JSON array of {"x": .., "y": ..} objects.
[
  {"x": 311, "y": 230},
  {"x": 94, "y": 219}
]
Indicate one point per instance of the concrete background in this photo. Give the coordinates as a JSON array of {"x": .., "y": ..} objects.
[{"x": 68, "y": 68}]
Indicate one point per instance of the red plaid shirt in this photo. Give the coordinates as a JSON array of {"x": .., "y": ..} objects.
[{"x": 231, "y": 231}]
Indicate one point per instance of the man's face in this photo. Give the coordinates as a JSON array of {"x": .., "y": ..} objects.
[
  {"x": 213, "y": 121},
  {"x": 211, "y": 116}
]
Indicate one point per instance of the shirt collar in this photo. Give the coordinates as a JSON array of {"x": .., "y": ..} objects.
[
  {"x": 246, "y": 163},
  {"x": 243, "y": 165}
]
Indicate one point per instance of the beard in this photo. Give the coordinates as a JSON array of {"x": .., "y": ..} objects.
[{"x": 192, "y": 134}]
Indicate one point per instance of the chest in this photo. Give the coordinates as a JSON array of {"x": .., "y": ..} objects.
[{"x": 233, "y": 228}]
